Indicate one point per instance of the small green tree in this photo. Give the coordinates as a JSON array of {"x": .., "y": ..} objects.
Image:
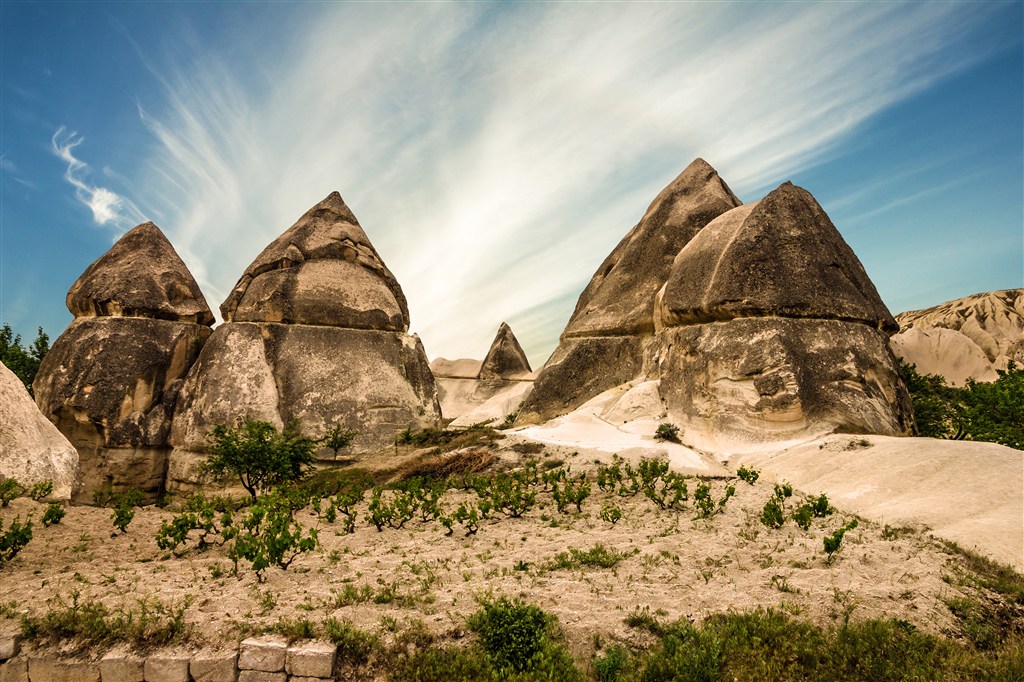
[
  {"x": 260, "y": 455},
  {"x": 24, "y": 362},
  {"x": 339, "y": 438}
]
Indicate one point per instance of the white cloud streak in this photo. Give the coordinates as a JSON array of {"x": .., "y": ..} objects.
[
  {"x": 495, "y": 154},
  {"x": 107, "y": 206}
]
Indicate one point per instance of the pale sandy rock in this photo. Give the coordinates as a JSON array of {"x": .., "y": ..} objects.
[
  {"x": 969, "y": 337},
  {"x": 505, "y": 359},
  {"x": 214, "y": 666},
  {"x": 619, "y": 298},
  {"x": 167, "y": 667},
  {"x": 581, "y": 368},
  {"x": 604, "y": 341},
  {"x": 261, "y": 676},
  {"x": 322, "y": 270},
  {"x": 262, "y": 653},
  {"x": 970, "y": 493},
  {"x": 642, "y": 401},
  {"x": 506, "y": 400},
  {"x": 14, "y": 670},
  {"x": 10, "y": 645},
  {"x": 32, "y": 449},
  {"x": 775, "y": 379},
  {"x": 376, "y": 383},
  {"x": 140, "y": 276},
  {"x": 121, "y": 666},
  {"x": 110, "y": 384},
  {"x": 54, "y": 669},
  {"x": 781, "y": 256},
  {"x": 463, "y": 368},
  {"x": 311, "y": 659}
]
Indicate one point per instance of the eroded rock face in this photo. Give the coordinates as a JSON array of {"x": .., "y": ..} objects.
[
  {"x": 32, "y": 450},
  {"x": 140, "y": 276},
  {"x": 505, "y": 359},
  {"x": 315, "y": 333},
  {"x": 322, "y": 271},
  {"x": 614, "y": 320},
  {"x": 111, "y": 380},
  {"x": 772, "y": 330},
  {"x": 967, "y": 338}
]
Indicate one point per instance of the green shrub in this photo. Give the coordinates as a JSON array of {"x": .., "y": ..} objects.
[
  {"x": 834, "y": 542},
  {"x": 261, "y": 457},
  {"x": 394, "y": 509},
  {"x": 516, "y": 637},
  {"x": 354, "y": 645},
  {"x": 572, "y": 491},
  {"x": 339, "y": 438},
  {"x": 613, "y": 666},
  {"x": 686, "y": 653},
  {"x": 748, "y": 475},
  {"x": 597, "y": 556},
  {"x": 268, "y": 535},
  {"x": 610, "y": 513},
  {"x": 705, "y": 503},
  {"x": 124, "y": 509},
  {"x": 53, "y": 514},
  {"x": 667, "y": 431},
  {"x": 203, "y": 522},
  {"x": 773, "y": 515},
  {"x": 40, "y": 490},
  {"x": 14, "y": 539},
  {"x": 10, "y": 489}
]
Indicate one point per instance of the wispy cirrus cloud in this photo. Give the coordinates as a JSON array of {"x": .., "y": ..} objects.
[
  {"x": 495, "y": 154},
  {"x": 107, "y": 206}
]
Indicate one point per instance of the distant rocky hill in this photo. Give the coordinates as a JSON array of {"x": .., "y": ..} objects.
[{"x": 966, "y": 338}]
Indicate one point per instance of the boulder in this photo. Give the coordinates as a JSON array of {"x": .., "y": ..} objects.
[
  {"x": 772, "y": 330},
  {"x": 32, "y": 450},
  {"x": 967, "y": 338},
  {"x": 505, "y": 359},
  {"x": 140, "y": 276},
  {"x": 322, "y": 271},
  {"x": 110, "y": 381},
  {"x": 603, "y": 343},
  {"x": 779, "y": 257},
  {"x": 315, "y": 333}
]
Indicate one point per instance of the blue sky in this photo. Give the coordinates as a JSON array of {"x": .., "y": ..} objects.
[{"x": 495, "y": 153}]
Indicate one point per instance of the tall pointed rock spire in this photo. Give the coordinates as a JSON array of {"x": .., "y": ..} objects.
[{"x": 505, "y": 358}]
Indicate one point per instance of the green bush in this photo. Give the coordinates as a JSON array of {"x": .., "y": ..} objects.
[
  {"x": 834, "y": 542},
  {"x": 53, "y": 514},
  {"x": 124, "y": 508},
  {"x": 40, "y": 490},
  {"x": 518, "y": 637},
  {"x": 339, "y": 438},
  {"x": 261, "y": 457},
  {"x": 268, "y": 535},
  {"x": 14, "y": 539},
  {"x": 748, "y": 475},
  {"x": 667, "y": 431},
  {"x": 202, "y": 522},
  {"x": 24, "y": 362},
  {"x": 613, "y": 666},
  {"x": 10, "y": 490},
  {"x": 572, "y": 491}
]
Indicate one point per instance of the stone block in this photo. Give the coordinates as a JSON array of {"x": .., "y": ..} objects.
[
  {"x": 261, "y": 676},
  {"x": 311, "y": 659},
  {"x": 214, "y": 666},
  {"x": 310, "y": 679},
  {"x": 167, "y": 668},
  {"x": 14, "y": 670},
  {"x": 52, "y": 669},
  {"x": 263, "y": 654},
  {"x": 10, "y": 645},
  {"x": 119, "y": 666}
]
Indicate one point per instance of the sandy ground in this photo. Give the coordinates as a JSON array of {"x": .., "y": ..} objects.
[
  {"x": 971, "y": 493},
  {"x": 676, "y": 566}
]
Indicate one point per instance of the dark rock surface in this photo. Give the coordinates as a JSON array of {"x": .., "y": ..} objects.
[{"x": 505, "y": 359}]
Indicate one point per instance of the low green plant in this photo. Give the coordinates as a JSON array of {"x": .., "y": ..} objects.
[
  {"x": 573, "y": 491},
  {"x": 597, "y": 556},
  {"x": 519, "y": 638},
  {"x": 354, "y": 646},
  {"x": 202, "y": 522},
  {"x": 667, "y": 431},
  {"x": 339, "y": 438},
  {"x": 14, "y": 539},
  {"x": 124, "y": 508},
  {"x": 467, "y": 515},
  {"x": 613, "y": 666},
  {"x": 748, "y": 475},
  {"x": 40, "y": 490},
  {"x": 392, "y": 508},
  {"x": 10, "y": 490},
  {"x": 511, "y": 495},
  {"x": 268, "y": 535},
  {"x": 834, "y": 542},
  {"x": 706, "y": 504},
  {"x": 773, "y": 514},
  {"x": 610, "y": 513},
  {"x": 53, "y": 514}
]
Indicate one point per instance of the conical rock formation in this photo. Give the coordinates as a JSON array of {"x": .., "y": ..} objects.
[
  {"x": 111, "y": 380},
  {"x": 472, "y": 392},
  {"x": 32, "y": 450},
  {"x": 967, "y": 338},
  {"x": 505, "y": 359},
  {"x": 772, "y": 330},
  {"x": 314, "y": 332},
  {"x": 605, "y": 340}
]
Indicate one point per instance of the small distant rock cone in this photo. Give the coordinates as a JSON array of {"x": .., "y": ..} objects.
[
  {"x": 604, "y": 342},
  {"x": 315, "y": 331},
  {"x": 111, "y": 380},
  {"x": 505, "y": 359}
]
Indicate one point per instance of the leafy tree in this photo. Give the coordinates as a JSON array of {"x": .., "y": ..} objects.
[
  {"x": 260, "y": 455},
  {"x": 938, "y": 408},
  {"x": 24, "y": 362}
]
